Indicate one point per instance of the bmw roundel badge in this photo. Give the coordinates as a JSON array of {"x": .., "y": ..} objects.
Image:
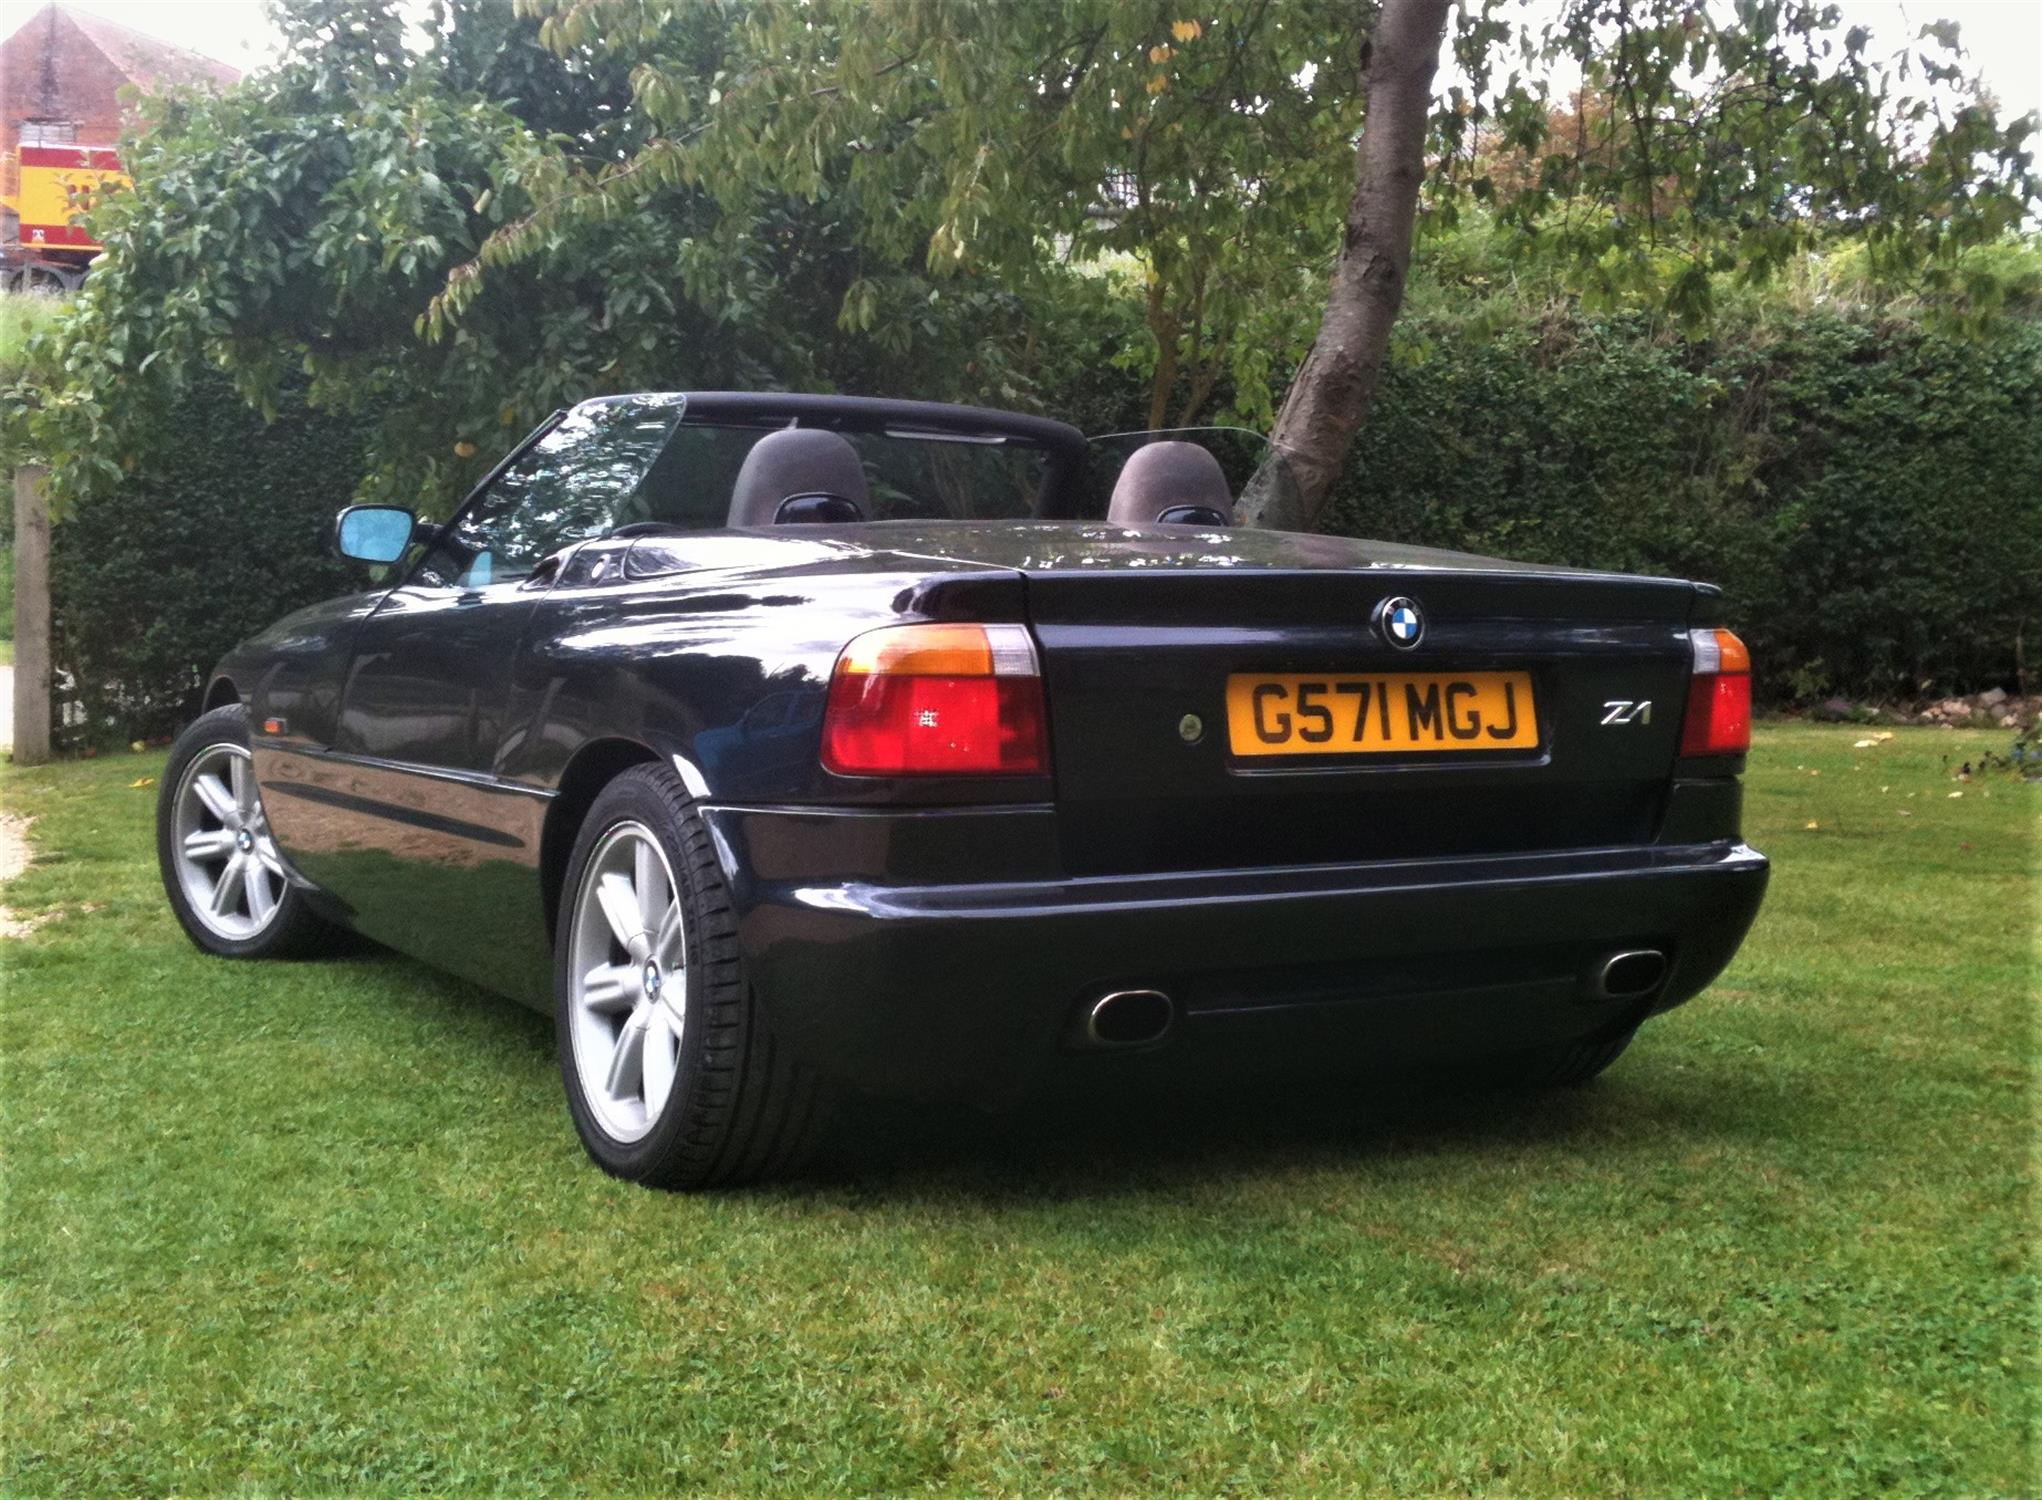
[{"x": 1400, "y": 622}]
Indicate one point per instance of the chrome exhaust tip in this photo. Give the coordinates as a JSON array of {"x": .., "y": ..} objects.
[
  {"x": 1629, "y": 974},
  {"x": 1129, "y": 1018}
]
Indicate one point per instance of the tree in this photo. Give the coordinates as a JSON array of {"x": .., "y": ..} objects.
[
  {"x": 1727, "y": 146},
  {"x": 593, "y": 195},
  {"x": 1199, "y": 147},
  {"x": 294, "y": 227},
  {"x": 1331, "y": 394},
  {"x": 1734, "y": 137},
  {"x": 304, "y": 226}
]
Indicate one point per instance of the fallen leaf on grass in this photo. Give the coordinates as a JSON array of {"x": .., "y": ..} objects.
[
  {"x": 1813, "y": 824},
  {"x": 1956, "y": 794},
  {"x": 141, "y": 782}
]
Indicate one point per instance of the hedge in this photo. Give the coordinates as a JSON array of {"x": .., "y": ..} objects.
[
  {"x": 1869, "y": 493},
  {"x": 222, "y": 529}
]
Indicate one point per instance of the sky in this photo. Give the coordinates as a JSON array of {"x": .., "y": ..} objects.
[
  {"x": 228, "y": 31},
  {"x": 2004, "y": 37}
]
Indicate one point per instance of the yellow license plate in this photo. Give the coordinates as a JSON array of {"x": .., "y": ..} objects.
[{"x": 1320, "y": 713}]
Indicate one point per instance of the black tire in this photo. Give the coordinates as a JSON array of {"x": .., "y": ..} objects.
[
  {"x": 292, "y": 929},
  {"x": 740, "y": 1108}
]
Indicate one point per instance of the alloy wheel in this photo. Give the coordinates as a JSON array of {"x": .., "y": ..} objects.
[
  {"x": 627, "y": 982},
  {"x": 226, "y": 860}
]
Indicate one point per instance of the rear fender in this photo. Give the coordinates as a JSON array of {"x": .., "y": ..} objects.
[{"x": 725, "y": 677}]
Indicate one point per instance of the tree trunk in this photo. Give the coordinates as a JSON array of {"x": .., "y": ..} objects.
[
  {"x": 1163, "y": 326},
  {"x": 1329, "y": 398}
]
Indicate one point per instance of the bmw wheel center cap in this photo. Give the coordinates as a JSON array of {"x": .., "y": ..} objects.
[{"x": 1400, "y": 622}]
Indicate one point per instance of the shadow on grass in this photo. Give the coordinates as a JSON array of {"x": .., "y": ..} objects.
[
  {"x": 1095, "y": 1144},
  {"x": 1101, "y": 1139},
  {"x": 437, "y": 998}
]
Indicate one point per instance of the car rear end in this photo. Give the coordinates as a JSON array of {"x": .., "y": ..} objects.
[{"x": 1170, "y": 809}]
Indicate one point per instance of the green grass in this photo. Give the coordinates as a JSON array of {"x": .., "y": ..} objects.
[
  {"x": 22, "y": 317},
  {"x": 6, "y": 653},
  {"x": 324, "y": 1227}
]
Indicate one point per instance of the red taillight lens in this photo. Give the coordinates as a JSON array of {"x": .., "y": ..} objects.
[
  {"x": 1718, "y": 696},
  {"x": 937, "y": 700}
]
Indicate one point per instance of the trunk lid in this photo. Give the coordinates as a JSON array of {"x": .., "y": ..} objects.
[{"x": 1137, "y": 653}]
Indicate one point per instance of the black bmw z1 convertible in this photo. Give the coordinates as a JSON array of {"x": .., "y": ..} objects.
[{"x": 779, "y": 745}]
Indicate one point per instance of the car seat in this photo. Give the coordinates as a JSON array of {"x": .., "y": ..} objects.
[
  {"x": 800, "y": 475},
  {"x": 1174, "y": 484}
]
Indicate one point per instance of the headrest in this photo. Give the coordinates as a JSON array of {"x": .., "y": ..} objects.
[
  {"x": 799, "y": 474},
  {"x": 1174, "y": 483}
]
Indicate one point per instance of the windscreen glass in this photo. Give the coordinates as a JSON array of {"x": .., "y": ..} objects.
[
  {"x": 636, "y": 461},
  {"x": 586, "y": 476}
]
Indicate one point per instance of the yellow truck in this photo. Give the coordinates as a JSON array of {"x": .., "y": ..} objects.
[{"x": 45, "y": 192}]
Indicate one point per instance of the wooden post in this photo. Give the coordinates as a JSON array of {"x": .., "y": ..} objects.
[{"x": 31, "y": 617}]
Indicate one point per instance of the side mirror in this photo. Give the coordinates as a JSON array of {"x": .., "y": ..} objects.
[{"x": 374, "y": 533}]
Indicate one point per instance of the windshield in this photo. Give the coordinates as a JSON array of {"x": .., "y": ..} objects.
[
  {"x": 575, "y": 480},
  {"x": 648, "y": 461}
]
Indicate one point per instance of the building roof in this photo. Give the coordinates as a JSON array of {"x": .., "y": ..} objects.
[{"x": 145, "y": 61}]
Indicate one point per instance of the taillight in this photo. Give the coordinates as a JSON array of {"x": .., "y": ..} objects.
[
  {"x": 937, "y": 700},
  {"x": 1718, "y": 696}
]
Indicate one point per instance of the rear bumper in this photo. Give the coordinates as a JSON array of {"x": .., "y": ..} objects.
[{"x": 972, "y": 989}]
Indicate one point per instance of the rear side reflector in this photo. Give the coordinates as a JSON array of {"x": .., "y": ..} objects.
[
  {"x": 937, "y": 700},
  {"x": 1718, "y": 696}
]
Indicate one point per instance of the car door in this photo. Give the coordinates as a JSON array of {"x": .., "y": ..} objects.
[{"x": 430, "y": 844}]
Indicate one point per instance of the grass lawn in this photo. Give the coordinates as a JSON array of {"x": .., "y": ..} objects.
[
  {"x": 325, "y": 1227},
  {"x": 6, "y": 653}
]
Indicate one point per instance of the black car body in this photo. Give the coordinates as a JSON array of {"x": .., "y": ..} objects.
[{"x": 427, "y": 753}]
